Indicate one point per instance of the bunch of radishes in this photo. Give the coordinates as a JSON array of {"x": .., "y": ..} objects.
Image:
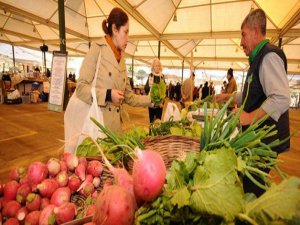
[
  {"x": 41, "y": 193},
  {"x": 117, "y": 203}
]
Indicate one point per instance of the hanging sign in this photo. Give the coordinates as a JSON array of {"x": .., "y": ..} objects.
[{"x": 58, "y": 80}]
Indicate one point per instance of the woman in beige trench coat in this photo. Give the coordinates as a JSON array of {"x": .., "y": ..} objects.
[{"x": 112, "y": 84}]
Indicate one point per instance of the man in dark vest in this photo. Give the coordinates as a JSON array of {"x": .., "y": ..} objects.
[{"x": 269, "y": 88}]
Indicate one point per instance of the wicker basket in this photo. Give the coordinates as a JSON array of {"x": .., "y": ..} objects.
[{"x": 172, "y": 147}]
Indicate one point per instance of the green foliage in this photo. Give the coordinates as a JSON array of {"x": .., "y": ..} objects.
[{"x": 158, "y": 92}]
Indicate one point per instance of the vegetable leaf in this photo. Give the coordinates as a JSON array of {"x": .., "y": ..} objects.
[
  {"x": 277, "y": 203},
  {"x": 218, "y": 190},
  {"x": 87, "y": 148},
  {"x": 181, "y": 197}
]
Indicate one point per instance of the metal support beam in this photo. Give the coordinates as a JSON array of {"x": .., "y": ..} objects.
[{"x": 158, "y": 54}]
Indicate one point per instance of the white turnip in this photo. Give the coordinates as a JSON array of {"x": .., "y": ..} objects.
[
  {"x": 114, "y": 206},
  {"x": 149, "y": 172}
]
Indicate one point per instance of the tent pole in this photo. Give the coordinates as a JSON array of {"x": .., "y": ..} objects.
[
  {"x": 182, "y": 71},
  {"x": 159, "y": 49},
  {"x": 14, "y": 60},
  {"x": 62, "y": 44}
]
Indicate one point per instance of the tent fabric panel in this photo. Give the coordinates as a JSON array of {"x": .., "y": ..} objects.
[
  {"x": 95, "y": 26},
  {"x": 190, "y": 3},
  {"x": 190, "y": 21},
  {"x": 229, "y": 51},
  {"x": 20, "y": 27},
  {"x": 231, "y": 15},
  {"x": 46, "y": 32},
  {"x": 157, "y": 16},
  {"x": 135, "y": 28},
  {"x": 76, "y": 6},
  {"x": 279, "y": 10}
]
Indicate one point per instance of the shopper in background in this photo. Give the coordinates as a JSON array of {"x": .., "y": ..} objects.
[
  {"x": 187, "y": 89},
  {"x": 112, "y": 84},
  {"x": 205, "y": 90},
  {"x": 269, "y": 88},
  {"x": 231, "y": 86},
  {"x": 155, "y": 112},
  {"x": 200, "y": 92}
]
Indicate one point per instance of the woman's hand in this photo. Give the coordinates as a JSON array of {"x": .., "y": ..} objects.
[{"x": 117, "y": 97}]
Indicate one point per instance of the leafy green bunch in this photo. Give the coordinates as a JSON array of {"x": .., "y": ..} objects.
[
  {"x": 158, "y": 92},
  {"x": 205, "y": 189}
]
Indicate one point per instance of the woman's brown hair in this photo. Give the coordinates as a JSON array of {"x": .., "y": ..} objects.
[{"x": 118, "y": 17}]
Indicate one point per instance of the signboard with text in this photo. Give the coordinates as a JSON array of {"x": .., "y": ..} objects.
[{"x": 58, "y": 79}]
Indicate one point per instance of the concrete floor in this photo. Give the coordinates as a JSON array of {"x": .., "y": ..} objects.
[{"x": 29, "y": 132}]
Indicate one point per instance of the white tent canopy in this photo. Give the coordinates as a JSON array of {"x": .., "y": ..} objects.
[{"x": 205, "y": 34}]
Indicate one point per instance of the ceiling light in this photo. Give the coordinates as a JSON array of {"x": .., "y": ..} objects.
[
  {"x": 86, "y": 24},
  {"x": 165, "y": 50},
  {"x": 195, "y": 49},
  {"x": 236, "y": 49},
  {"x": 34, "y": 30},
  {"x": 136, "y": 49},
  {"x": 175, "y": 17}
]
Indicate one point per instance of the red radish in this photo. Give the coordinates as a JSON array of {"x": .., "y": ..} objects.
[
  {"x": 12, "y": 221},
  {"x": 22, "y": 193},
  {"x": 63, "y": 166},
  {"x": 95, "y": 168},
  {"x": 37, "y": 172},
  {"x": 10, "y": 190},
  {"x": 94, "y": 195},
  {"x": 47, "y": 216},
  {"x": 82, "y": 160},
  {"x": 72, "y": 161},
  {"x": 17, "y": 173},
  {"x": 47, "y": 187},
  {"x": 32, "y": 218},
  {"x": 65, "y": 155},
  {"x": 114, "y": 206},
  {"x": 88, "y": 179},
  {"x": 149, "y": 172},
  {"x": 33, "y": 202},
  {"x": 65, "y": 213},
  {"x": 60, "y": 196},
  {"x": 24, "y": 180},
  {"x": 89, "y": 223},
  {"x": 44, "y": 203},
  {"x": 3, "y": 202},
  {"x": 74, "y": 183},
  {"x": 62, "y": 178},
  {"x": 88, "y": 189},
  {"x": 80, "y": 171},
  {"x": 91, "y": 209},
  {"x": 122, "y": 177},
  {"x": 11, "y": 209},
  {"x": 22, "y": 213},
  {"x": 0, "y": 218},
  {"x": 96, "y": 182},
  {"x": 53, "y": 166}
]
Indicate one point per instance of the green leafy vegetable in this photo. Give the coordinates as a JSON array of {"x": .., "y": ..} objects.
[{"x": 158, "y": 92}]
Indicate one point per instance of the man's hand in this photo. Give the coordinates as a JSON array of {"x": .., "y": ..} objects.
[
  {"x": 248, "y": 118},
  {"x": 117, "y": 97}
]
